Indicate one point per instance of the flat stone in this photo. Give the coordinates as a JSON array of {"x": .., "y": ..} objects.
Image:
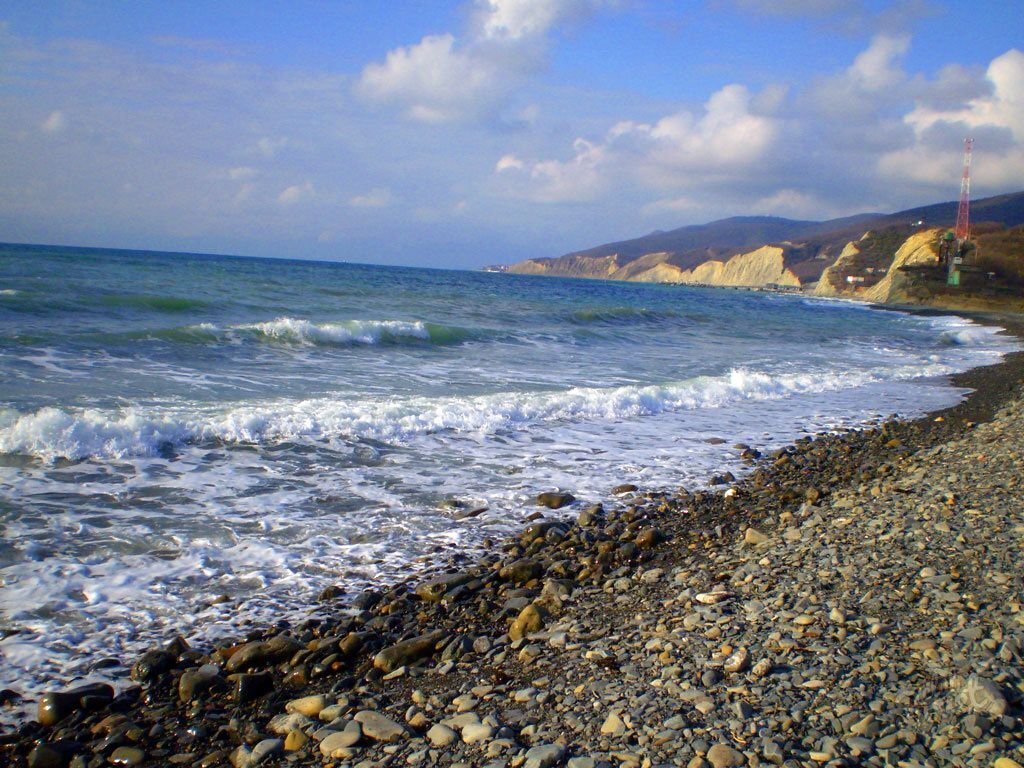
[
  {"x": 477, "y": 732},
  {"x": 127, "y": 756},
  {"x": 340, "y": 740},
  {"x": 715, "y": 596},
  {"x": 613, "y": 725},
  {"x": 380, "y": 727},
  {"x": 310, "y": 706},
  {"x": 264, "y": 749},
  {"x": 753, "y": 537}
]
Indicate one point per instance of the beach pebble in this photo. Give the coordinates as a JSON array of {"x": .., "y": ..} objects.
[{"x": 380, "y": 727}]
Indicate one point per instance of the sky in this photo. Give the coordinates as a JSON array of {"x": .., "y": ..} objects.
[{"x": 462, "y": 133}]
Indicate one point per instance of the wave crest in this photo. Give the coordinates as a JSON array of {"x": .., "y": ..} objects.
[{"x": 51, "y": 433}]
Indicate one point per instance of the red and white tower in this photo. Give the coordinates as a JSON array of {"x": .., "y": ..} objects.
[{"x": 963, "y": 215}]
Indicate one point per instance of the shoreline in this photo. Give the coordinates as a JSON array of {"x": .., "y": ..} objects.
[{"x": 559, "y": 584}]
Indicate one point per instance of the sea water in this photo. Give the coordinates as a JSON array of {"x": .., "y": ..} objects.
[{"x": 198, "y": 444}]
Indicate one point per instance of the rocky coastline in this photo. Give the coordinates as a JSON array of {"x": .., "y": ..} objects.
[{"x": 857, "y": 599}]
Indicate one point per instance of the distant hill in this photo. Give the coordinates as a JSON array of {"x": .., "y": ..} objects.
[{"x": 758, "y": 250}]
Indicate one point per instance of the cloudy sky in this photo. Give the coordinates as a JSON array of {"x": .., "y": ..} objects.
[{"x": 465, "y": 132}]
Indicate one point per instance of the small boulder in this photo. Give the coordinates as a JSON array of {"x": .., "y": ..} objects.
[
  {"x": 649, "y": 537},
  {"x": 530, "y": 620},
  {"x": 54, "y": 706},
  {"x": 407, "y": 652},
  {"x": 194, "y": 682},
  {"x": 724, "y": 756},
  {"x": 151, "y": 665},
  {"x": 981, "y": 695},
  {"x": 433, "y": 590},
  {"x": 555, "y": 499},
  {"x": 544, "y": 755},
  {"x": 521, "y": 571},
  {"x": 262, "y": 653}
]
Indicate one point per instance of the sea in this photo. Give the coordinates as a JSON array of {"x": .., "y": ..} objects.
[{"x": 198, "y": 445}]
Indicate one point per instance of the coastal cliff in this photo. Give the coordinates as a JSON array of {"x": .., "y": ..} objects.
[
  {"x": 855, "y": 257},
  {"x": 758, "y": 268}
]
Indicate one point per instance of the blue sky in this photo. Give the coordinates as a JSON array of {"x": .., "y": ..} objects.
[{"x": 458, "y": 134}]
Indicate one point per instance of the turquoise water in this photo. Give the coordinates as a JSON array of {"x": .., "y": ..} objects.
[{"x": 177, "y": 427}]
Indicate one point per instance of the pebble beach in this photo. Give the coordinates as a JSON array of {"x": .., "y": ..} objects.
[{"x": 856, "y": 599}]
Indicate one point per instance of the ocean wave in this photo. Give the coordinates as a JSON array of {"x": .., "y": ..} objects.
[
  {"x": 350, "y": 332},
  {"x": 9, "y": 292},
  {"x": 301, "y": 332},
  {"x": 52, "y": 433}
]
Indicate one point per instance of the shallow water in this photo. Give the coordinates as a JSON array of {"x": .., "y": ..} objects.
[{"x": 177, "y": 428}]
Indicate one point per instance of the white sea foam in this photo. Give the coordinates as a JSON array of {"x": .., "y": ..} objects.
[
  {"x": 51, "y": 433},
  {"x": 9, "y": 292}
]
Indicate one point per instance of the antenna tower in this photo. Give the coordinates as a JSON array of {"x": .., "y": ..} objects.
[{"x": 963, "y": 215}]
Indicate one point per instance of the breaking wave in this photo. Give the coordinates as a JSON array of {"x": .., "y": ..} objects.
[{"x": 52, "y": 433}]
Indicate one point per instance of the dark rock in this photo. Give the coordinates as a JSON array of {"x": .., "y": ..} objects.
[
  {"x": 194, "y": 682},
  {"x": 367, "y": 600},
  {"x": 152, "y": 664},
  {"x": 555, "y": 499},
  {"x": 618, "y": 490},
  {"x": 127, "y": 756},
  {"x": 407, "y": 652},
  {"x": 465, "y": 514},
  {"x": 434, "y": 589},
  {"x": 55, "y": 706},
  {"x": 522, "y": 571},
  {"x": 649, "y": 537},
  {"x": 250, "y": 686},
  {"x": 54, "y": 754},
  {"x": 262, "y": 653},
  {"x": 333, "y": 592}
]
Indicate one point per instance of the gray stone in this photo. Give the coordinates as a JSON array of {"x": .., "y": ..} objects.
[
  {"x": 544, "y": 755},
  {"x": 380, "y": 727},
  {"x": 724, "y": 756},
  {"x": 340, "y": 740},
  {"x": 981, "y": 695},
  {"x": 441, "y": 735}
]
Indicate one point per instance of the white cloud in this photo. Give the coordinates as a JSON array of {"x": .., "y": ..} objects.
[
  {"x": 54, "y": 123},
  {"x": 879, "y": 67},
  {"x": 296, "y": 193},
  {"x": 874, "y": 79},
  {"x": 242, "y": 173},
  {"x": 726, "y": 140},
  {"x": 792, "y": 203},
  {"x": 375, "y": 198},
  {"x": 514, "y": 20},
  {"x": 432, "y": 80},
  {"x": 996, "y": 119},
  {"x": 509, "y": 163},
  {"x": 269, "y": 147},
  {"x": 444, "y": 78}
]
